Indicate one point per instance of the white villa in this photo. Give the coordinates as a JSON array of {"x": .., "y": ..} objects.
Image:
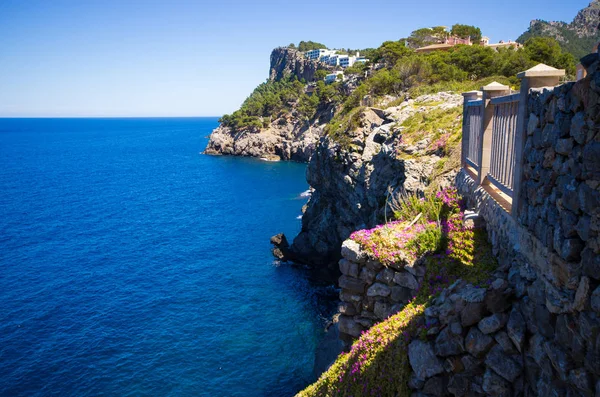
[
  {"x": 318, "y": 54},
  {"x": 332, "y": 58}
]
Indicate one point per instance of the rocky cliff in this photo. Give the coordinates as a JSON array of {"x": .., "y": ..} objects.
[
  {"x": 286, "y": 135},
  {"x": 287, "y": 138},
  {"x": 286, "y": 62},
  {"x": 577, "y": 37},
  {"x": 351, "y": 180}
]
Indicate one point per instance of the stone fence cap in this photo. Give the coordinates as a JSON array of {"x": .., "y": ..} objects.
[
  {"x": 541, "y": 70},
  {"x": 472, "y": 93},
  {"x": 495, "y": 86}
]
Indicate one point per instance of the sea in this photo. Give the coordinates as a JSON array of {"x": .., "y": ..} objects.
[{"x": 133, "y": 265}]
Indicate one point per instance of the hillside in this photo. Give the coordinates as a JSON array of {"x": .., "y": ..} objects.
[{"x": 577, "y": 37}]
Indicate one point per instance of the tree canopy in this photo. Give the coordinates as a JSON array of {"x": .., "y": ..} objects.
[
  {"x": 426, "y": 36},
  {"x": 464, "y": 31},
  {"x": 547, "y": 50},
  {"x": 310, "y": 45}
]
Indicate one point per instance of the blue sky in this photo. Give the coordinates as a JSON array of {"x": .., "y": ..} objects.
[{"x": 201, "y": 58}]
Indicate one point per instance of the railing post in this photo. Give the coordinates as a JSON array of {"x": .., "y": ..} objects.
[
  {"x": 489, "y": 91},
  {"x": 536, "y": 77},
  {"x": 469, "y": 96}
]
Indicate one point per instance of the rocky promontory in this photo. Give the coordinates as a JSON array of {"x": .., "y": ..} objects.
[
  {"x": 354, "y": 180},
  {"x": 286, "y": 138}
]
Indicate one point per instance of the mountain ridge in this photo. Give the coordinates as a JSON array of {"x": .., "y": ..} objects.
[{"x": 577, "y": 37}]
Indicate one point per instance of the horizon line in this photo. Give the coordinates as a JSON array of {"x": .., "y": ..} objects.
[{"x": 108, "y": 117}]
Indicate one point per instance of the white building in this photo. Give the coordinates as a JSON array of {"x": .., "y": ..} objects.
[
  {"x": 317, "y": 54},
  {"x": 334, "y": 60},
  {"x": 330, "y": 78},
  {"x": 346, "y": 61}
]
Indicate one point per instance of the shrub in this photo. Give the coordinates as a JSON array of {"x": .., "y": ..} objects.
[{"x": 377, "y": 363}]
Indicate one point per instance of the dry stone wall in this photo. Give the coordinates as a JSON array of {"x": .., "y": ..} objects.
[
  {"x": 550, "y": 250},
  {"x": 370, "y": 291},
  {"x": 535, "y": 329}
]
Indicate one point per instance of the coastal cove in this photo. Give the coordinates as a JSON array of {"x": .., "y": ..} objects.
[{"x": 134, "y": 265}]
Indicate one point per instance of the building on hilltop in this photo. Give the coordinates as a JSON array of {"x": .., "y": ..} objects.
[
  {"x": 503, "y": 44},
  {"x": 452, "y": 41},
  {"x": 317, "y": 54},
  {"x": 332, "y": 58},
  {"x": 346, "y": 61}
]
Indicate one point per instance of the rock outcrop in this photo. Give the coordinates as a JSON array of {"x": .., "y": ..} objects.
[
  {"x": 287, "y": 138},
  {"x": 577, "y": 37},
  {"x": 354, "y": 179},
  {"x": 287, "y": 62}
]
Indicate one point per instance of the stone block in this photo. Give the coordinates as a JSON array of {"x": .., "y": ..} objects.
[
  {"x": 423, "y": 360},
  {"x": 560, "y": 360},
  {"x": 515, "y": 329},
  {"x": 352, "y": 284},
  {"x": 591, "y": 263},
  {"x": 349, "y": 268},
  {"x": 401, "y": 294},
  {"x": 385, "y": 276},
  {"x": 347, "y": 309},
  {"x": 379, "y": 289},
  {"x": 471, "y": 314},
  {"x": 591, "y": 161},
  {"x": 367, "y": 275},
  {"x": 382, "y": 310},
  {"x": 351, "y": 251},
  {"x": 564, "y": 146},
  {"x": 348, "y": 326},
  {"x": 595, "y": 300},
  {"x": 450, "y": 341},
  {"x": 503, "y": 340},
  {"x": 589, "y": 199},
  {"x": 406, "y": 279},
  {"x": 502, "y": 364},
  {"x": 492, "y": 323},
  {"x": 477, "y": 343}
]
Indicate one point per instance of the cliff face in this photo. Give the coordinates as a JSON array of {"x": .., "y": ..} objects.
[
  {"x": 287, "y": 138},
  {"x": 577, "y": 37},
  {"x": 286, "y": 62},
  {"x": 352, "y": 181},
  {"x": 288, "y": 135}
]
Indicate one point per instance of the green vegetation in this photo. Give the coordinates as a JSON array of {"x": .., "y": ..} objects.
[
  {"x": 570, "y": 42},
  {"x": 304, "y": 46},
  {"x": 405, "y": 73},
  {"x": 272, "y": 99},
  {"x": 442, "y": 126},
  {"x": 267, "y": 100},
  {"x": 377, "y": 363},
  {"x": 426, "y": 36},
  {"x": 464, "y": 31},
  {"x": 547, "y": 50}
]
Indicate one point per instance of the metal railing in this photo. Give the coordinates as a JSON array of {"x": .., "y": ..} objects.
[
  {"x": 473, "y": 128},
  {"x": 502, "y": 151}
]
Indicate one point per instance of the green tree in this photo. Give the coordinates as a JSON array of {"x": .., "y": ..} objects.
[
  {"x": 320, "y": 74},
  {"x": 426, "y": 36},
  {"x": 548, "y": 51},
  {"x": 392, "y": 51},
  {"x": 464, "y": 31},
  {"x": 310, "y": 45}
]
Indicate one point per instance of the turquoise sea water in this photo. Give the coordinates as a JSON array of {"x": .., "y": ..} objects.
[{"x": 130, "y": 264}]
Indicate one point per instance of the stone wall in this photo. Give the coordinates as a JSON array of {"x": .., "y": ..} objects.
[
  {"x": 535, "y": 330},
  {"x": 371, "y": 292},
  {"x": 548, "y": 251}
]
